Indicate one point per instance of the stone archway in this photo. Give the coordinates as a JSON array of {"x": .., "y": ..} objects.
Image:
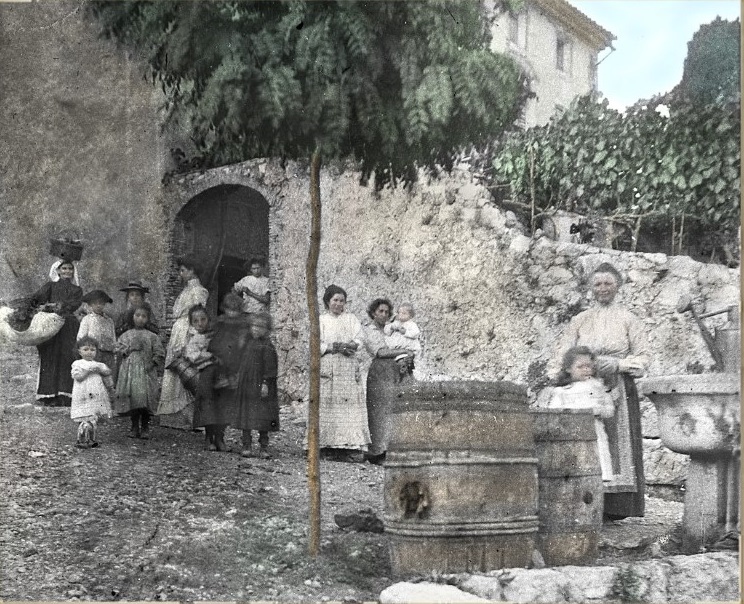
[{"x": 222, "y": 227}]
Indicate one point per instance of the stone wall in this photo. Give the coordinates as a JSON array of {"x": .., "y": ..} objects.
[{"x": 491, "y": 301}]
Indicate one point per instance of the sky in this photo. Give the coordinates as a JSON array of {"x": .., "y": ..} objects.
[{"x": 651, "y": 44}]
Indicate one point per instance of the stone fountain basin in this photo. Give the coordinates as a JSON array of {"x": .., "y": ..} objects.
[{"x": 698, "y": 414}]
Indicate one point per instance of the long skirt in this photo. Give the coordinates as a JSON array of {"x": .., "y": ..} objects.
[
  {"x": 55, "y": 361},
  {"x": 176, "y": 406},
  {"x": 343, "y": 414},
  {"x": 383, "y": 378},
  {"x": 109, "y": 359},
  {"x": 623, "y": 503},
  {"x": 212, "y": 406}
]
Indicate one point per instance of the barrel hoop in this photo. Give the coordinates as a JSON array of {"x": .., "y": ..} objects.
[
  {"x": 458, "y": 461},
  {"x": 581, "y": 438},
  {"x": 482, "y": 529},
  {"x": 462, "y": 390},
  {"x": 572, "y": 473},
  {"x": 508, "y": 406}
]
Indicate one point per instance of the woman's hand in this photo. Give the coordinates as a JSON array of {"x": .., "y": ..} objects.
[
  {"x": 349, "y": 348},
  {"x": 631, "y": 367},
  {"x": 606, "y": 365}
]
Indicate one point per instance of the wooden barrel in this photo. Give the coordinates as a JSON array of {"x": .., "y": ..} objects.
[
  {"x": 571, "y": 491},
  {"x": 460, "y": 478}
]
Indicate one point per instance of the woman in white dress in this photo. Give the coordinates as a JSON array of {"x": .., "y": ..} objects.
[
  {"x": 176, "y": 406},
  {"x": 343, "y": 411}
]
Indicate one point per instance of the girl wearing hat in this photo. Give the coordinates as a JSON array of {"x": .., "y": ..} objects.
[
  {"x": 62, "y": 295},
  {"x": 99, "y": 326},
  {"x": 134, "y": 297}
]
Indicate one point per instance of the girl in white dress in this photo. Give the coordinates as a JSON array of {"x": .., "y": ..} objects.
[
  {"x": 579, "y": 389},
  {"x": 92, "y": 389}
]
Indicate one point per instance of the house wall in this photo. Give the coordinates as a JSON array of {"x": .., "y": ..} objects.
[
  {"x": 535, "y": 49},
  {"x": 81, "y": 151}
]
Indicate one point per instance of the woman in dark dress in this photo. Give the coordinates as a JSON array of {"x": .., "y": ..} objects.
[
  {"x": 390, "y": 367},
  {"x": 56, "y": 355}
]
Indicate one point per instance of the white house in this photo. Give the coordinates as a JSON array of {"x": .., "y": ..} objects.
[{"x": 557, "y": 46}]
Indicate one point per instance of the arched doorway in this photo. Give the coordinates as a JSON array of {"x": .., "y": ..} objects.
[{"x": 223, "y": 227}]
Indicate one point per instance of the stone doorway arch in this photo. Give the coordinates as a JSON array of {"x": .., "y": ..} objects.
[{"x": 222, "y": 227}]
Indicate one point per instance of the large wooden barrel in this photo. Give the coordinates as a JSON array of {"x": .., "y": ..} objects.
[
  {"x": 460, "y": 478},
  {"x": 571, "y": 491}
]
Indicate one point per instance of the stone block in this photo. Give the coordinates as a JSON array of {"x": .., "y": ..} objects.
[
  {"x": 488, "y": 587},
  {"x": 642, "y": 582},
  {"x": 470, "y": 193},
  {"x": 492, "y": 217},
  {"x": 684, "y": 267},
  {"x": 704, "y": 577},
  {"x": 425, "y": 593},
  {"x": 470, "y": 215},
  {"x": 538, "y": 585},
  {"x": 663, "y": 466},
  {"x": 590, "y": 583},
  {"x": 520, "y": 245}
]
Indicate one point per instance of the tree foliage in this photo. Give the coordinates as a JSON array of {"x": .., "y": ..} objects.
[
  {"x": 637, "y": 166},
  {"x": 392, "y": 84},
  {"x": 713, "y": 63},
  {"x": 396, "y": 85}
]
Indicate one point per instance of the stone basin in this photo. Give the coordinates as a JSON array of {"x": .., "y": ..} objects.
[{"x": 698, "y": 414}]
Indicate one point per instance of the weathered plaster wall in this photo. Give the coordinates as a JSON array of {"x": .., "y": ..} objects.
[
  {"x": 490, "y": 301},
  {"x": 80, "y": 150}
]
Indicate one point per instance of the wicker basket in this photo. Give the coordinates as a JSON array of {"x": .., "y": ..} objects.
[{"x": 66, "y": 249}]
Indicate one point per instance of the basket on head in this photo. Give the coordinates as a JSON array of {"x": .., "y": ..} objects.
[{"x": 66, "y": 248}]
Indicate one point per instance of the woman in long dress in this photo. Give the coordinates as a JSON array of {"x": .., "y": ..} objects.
[
  {"x": 343, "y": 412},
  {"x": 616, "y": 337},
  {"x": 62, "y": 295},
  {"x": 390, "y": 367},
  {"x": 176, "y": 406}
]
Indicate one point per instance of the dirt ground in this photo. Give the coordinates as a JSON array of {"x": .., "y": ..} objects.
[{"x": 164, "y": 519}]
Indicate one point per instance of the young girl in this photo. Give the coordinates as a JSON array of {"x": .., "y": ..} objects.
[
  {"x": 99, "y": 326},
  {"x": 257, "y": 400},
  {"x": 142, "y": 355},
  {"x": 92, "y": 388},
  {"x": 578, "y": 389},
  {"x": 198, "y": 338},
  {"x": 134, "y": 296},
  {"x": 231, "y": 333}
]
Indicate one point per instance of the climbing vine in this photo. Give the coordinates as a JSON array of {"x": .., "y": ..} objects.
[{"x": 657, "y": 168}]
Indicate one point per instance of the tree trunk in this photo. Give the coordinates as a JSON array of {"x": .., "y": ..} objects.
[{"x": 313, "y": 420}]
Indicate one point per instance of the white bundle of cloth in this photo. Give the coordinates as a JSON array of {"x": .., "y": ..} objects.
[{"x": 44, "y": 326}]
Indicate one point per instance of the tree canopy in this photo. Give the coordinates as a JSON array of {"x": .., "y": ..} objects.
[
  {"x": 396, "y": 85},
  {"x": 713, "y": 64},
  {"x": 392, "y": 84}
]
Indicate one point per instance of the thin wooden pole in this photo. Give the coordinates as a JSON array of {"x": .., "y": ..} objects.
[
  {"x": 313, "y": 422},
  {"x": 532, "y": 190}
]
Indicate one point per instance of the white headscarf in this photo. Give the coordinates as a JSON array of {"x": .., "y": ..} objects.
[{"x": 54, "y": 275}]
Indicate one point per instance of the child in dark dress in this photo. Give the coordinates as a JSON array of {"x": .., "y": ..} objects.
[
  {"x": 230, "y": 335},
  {"x": 257, "y": 399}
]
